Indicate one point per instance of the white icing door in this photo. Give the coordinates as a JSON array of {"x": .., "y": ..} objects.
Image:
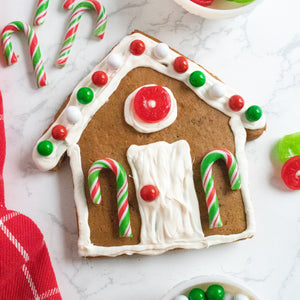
[{"x": 174, "y": 215}]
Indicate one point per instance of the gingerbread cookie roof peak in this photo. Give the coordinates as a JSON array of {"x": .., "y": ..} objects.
[{"x": 150, "y": 115}]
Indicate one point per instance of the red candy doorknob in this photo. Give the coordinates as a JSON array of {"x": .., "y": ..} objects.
[
  {"x": 149, "y": 192},
  {"x": 152, "y": 103},
  {"x": 290, "y": 173}
]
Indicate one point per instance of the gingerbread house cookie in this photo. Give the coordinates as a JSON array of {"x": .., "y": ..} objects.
[{"x": 147, "y": 125}]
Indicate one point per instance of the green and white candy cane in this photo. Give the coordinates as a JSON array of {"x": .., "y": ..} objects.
[
  {"x": 74, "y": 23},
  {"x": 122, "y": 194},
  {"x": 209, "y": 186}
]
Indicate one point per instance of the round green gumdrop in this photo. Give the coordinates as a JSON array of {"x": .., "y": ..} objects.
[
  {"x": 197, "y": 79},
  {"x": 253, "y": 113},
  {"x": 288, "y": 147},
  {"x": 196, "y": 294},
  {"x": 45, "y": 148},
  {"x": 215, "y": 292},
  {"x": 85, "y": 95}
]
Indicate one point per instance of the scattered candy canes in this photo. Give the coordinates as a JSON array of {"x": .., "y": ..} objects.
[
  {"x": 35, "y": 51},
  {"x": 122, "y": 187},
  {"x": 208, "y": 182},
  {"x": 42, "y": 9},
  {"x": 74, "y": 23}
]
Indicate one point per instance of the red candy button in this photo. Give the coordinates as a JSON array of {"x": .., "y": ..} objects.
[
  {"x": 236, "y": 102},
  {"x": 137, "y": 47},
  {"x": 203, "y": 2},
  {"x": 149, "y": 192},
  {"x": 152, "y": 103},
  {"x": 59, "y": 132},
  {"x": 290, "y": 173},
  {"x": 100, "y": 78},
  {"x": 180, "y": 64}
]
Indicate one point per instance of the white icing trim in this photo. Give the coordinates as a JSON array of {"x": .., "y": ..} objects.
[
  {"x": 143, "y": 127},
  {"x": 164, "y": 66}
]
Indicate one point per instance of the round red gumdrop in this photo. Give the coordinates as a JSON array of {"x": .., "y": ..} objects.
[
  {"x": 180, "y": 64},
  {"x": 236, "y": 102},
  {"x": 290, "y": 173},
  {"x": 100, "y": 78},
  {"x": 137, "y": 47},
  {"x": 152, "y": 103},
  {"x": 59, "y": 132},
  {"x": 203, "y": 2},
  {"x": 149, "y": 192}
]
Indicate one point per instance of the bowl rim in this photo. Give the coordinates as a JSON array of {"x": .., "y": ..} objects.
[
  {"x": 204, "y": 279},
  {"x": 200, "y": 8}
]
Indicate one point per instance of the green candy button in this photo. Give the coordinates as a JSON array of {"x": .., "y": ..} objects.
[
  {"x": 197, "y": 79},
  {"x": 215, "y": 292},
  {"x": 253, "y": 113},
  {"x": 85, "y": 95},
  {"x": 45, "y": 148},
  {"x": 196, "y": 294}
]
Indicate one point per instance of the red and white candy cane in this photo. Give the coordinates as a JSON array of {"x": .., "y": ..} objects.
[
  {"x": 35, "y": 52},
  {"x": 42, "y": 9},
  {"x": 122, "y": 195},
  {"x": 74, "y": 23},
  {"x": 209, "y": 186}
]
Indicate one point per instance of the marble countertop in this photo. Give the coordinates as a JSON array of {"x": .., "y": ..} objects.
[{"x": 258, "y": 54}]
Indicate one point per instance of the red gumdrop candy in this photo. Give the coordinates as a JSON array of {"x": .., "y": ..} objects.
[
  {"x": 137, "y": 47},
  {"x": 180, "y": 64},
  {"x": 149, "y": 192},
  {"x": 290, "y": 173},
  {"x": 59, "y": 132},
  {"x": 203, "y": 2},
  {"x": 152, "y": 103},
  {"x": 100, "y": 78},
  {"x": 236, "y": 102}
]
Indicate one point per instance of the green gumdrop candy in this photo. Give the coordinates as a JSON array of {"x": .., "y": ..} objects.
[
  {"x": 215, "y": 292},
  {"x": 288, "y": 147},
  {"x": 196, "y": 294}
]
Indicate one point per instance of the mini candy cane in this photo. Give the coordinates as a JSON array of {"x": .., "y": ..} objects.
[
  {"x": 35, "y": 51},
  {"x": 208, "y": 182},
  {"x": 122, "y": 195},
  {"x": 73, "y": 26},
  {"x": 42, "y": 7}
]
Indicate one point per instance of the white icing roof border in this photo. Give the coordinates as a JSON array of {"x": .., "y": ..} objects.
[{"x": 102, "y": 94}]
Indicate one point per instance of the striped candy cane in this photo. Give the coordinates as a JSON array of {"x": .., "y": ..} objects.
[
  {"x": 122, "y": 195},
  {"x": 73, "y": 26},
  {"x": 34, "y": 47},
  {"x": 42, "y": 9},
  {"x": 209, "y": 186}
]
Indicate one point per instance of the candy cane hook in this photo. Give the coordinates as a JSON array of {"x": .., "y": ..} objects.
[
  {"x": 42, "y": 9},
  {"x": 35, "y": 52},
  {"x": 122, "y": 195},
  {"x": 74, "y": 23},
  {"x": 209, "y": 186}
]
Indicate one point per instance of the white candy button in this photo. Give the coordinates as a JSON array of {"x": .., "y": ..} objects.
[
  {"x": 216, "y": 91},
  {"x": 161, "y": 51},
  {"x": 115, "y": 60},
  {"x": 181, "y": 297},
  {"x": 228, "y": 297},
  {"x": 73, "y": 114},
  {"x": 240, "y": 297}
]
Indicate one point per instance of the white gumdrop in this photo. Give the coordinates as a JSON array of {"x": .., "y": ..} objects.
[
  {"x": 115, "y": 60},
  {"x": 216, "y": 91},
  {"x": 228, "y": 297},
  {"x": 240, "y": 297},
  {"x": 161, "y": 51},
  {"x": 181, "y": 297},
  {"x": 73, "y": 114}
]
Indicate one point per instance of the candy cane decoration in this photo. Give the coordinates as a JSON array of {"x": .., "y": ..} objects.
[
  {"x": 42, "y": 8},
  {"x": 74, "y": 23},
  {"x": 122, "y": 195},
  {"x": 35, "y": 52},
  {"x": 209, "y": 186}
]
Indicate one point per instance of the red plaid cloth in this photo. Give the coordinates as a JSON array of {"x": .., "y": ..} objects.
[{"x": 25, "y": 267}]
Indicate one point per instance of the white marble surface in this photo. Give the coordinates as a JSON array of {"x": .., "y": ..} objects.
[{"x": 258, "y": 54}]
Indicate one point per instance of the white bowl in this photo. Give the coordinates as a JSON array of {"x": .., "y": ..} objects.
[
  {"x": 220, "y": 9},
  {"x": 230, "y": 285}
]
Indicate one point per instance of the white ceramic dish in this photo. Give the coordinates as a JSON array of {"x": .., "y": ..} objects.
[
  {"x": 220, "y": 9},
  {"x": 231, "y": 285}
]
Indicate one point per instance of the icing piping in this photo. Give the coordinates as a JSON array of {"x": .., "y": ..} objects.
[{"x": 102, "y": 95}]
